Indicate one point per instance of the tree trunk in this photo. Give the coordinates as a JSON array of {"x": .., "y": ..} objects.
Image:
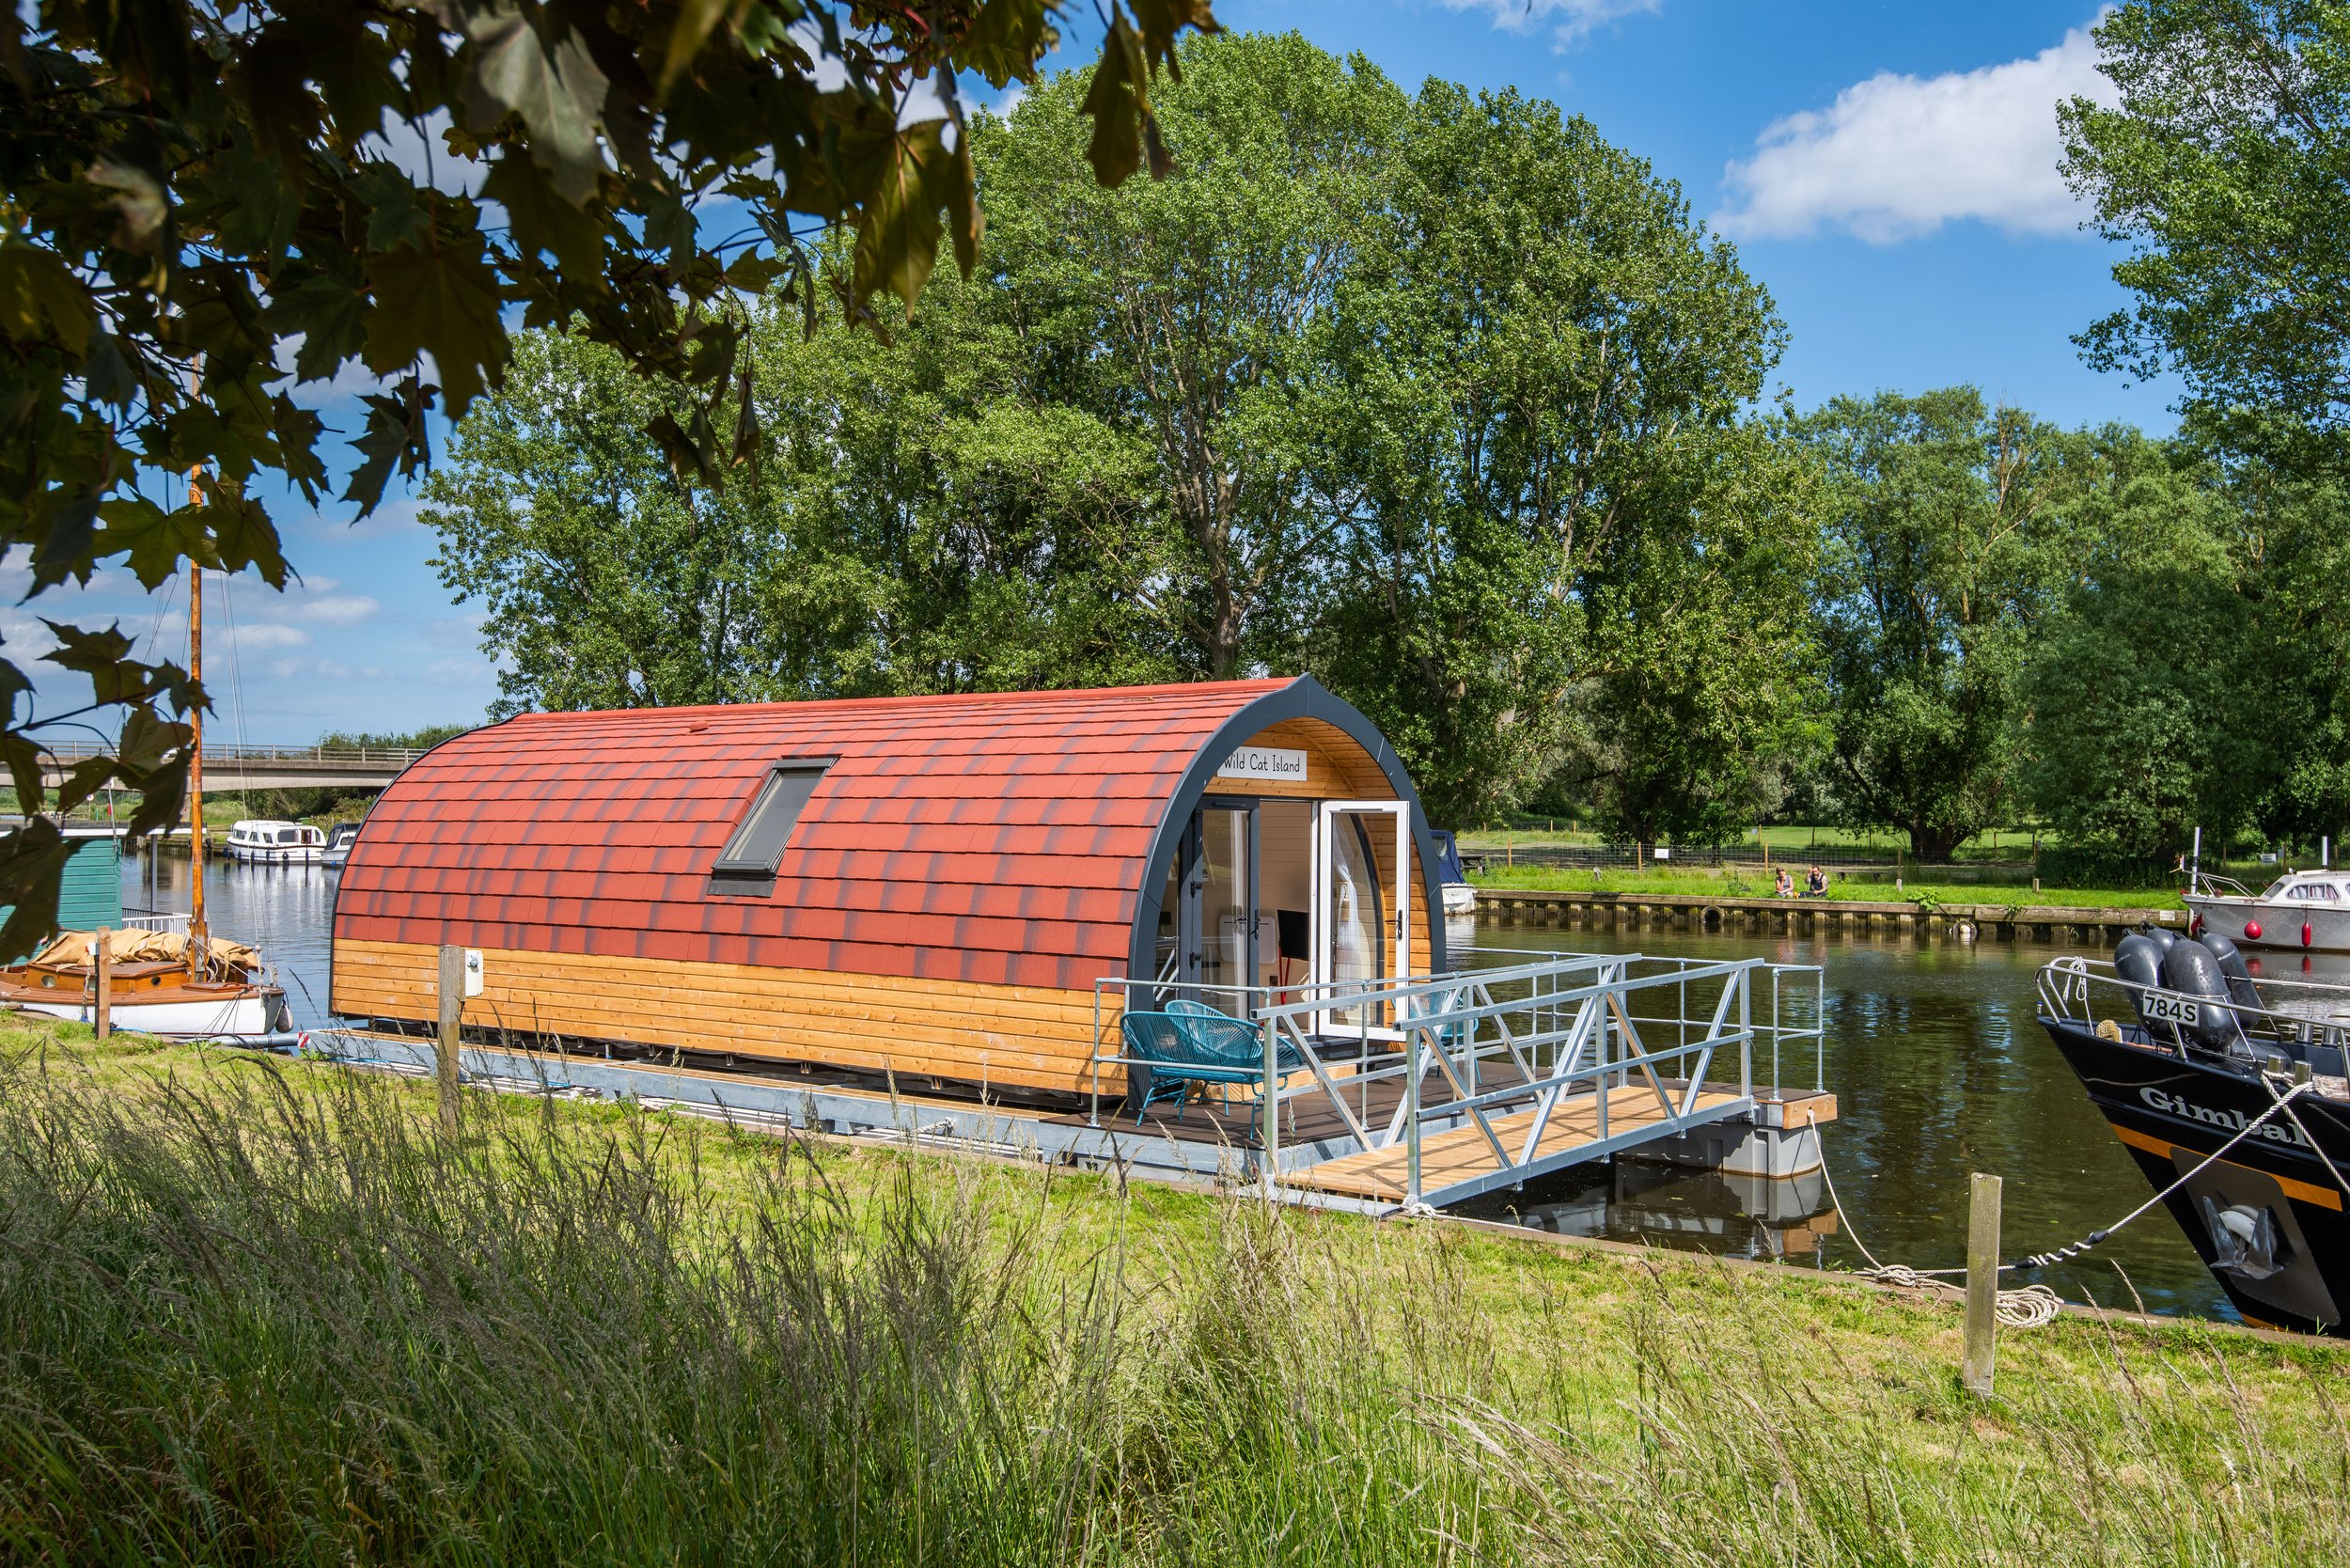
[{"x": 1934, "y": 846}]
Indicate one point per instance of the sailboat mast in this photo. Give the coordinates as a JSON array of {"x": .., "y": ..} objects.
[{"x": 196, "y": 763}]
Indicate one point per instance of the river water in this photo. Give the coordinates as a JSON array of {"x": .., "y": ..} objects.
[{"x": 1932, "y": 1051}]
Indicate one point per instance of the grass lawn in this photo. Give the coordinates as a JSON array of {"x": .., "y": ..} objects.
[
  {"x": 1752, "y": 884},
  {"x": 262, "y": 1311},
  {"x": 1783, "y": 839}
]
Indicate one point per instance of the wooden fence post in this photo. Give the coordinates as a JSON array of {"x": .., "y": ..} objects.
[
  {"x": 452, "y": 1001},
  {"x": 101, "y": 1012},
  {"x": 1982, "y": 1281}
]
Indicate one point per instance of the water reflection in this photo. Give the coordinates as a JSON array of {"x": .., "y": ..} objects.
[
  {"x": 1939, "y": 1071},
  {"x": 287, "y": 912},
  {"x": 1736, "y": 1216}
]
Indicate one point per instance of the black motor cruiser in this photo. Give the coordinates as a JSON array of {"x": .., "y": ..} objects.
[{"x": 2230, "y": 1091}]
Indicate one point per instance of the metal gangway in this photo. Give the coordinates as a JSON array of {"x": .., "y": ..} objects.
[{"x": 1429, "y": 1090}]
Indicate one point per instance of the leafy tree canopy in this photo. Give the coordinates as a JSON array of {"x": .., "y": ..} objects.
[
  {"x": 1442, "y": 399},
  {"x": 2225, "y": 166},
  {"x": 1949, "y": 525},
  {"x": 204, "y": 211}
]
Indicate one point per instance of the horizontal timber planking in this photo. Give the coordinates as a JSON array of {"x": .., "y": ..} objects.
[{"x": 1028, "y": 1037}]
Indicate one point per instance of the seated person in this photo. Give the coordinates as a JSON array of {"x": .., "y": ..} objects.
[
  {"x": 1815, "y": 883},
  {"x": 1785, "y": 886}
]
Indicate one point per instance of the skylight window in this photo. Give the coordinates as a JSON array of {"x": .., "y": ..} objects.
[{"x": 756, "y": 847}]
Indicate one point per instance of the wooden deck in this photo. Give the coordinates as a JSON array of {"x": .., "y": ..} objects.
[{"x": 1448, "y": 1159}]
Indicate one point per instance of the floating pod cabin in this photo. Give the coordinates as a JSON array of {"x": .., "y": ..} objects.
[{"x": 928, "y": 887}]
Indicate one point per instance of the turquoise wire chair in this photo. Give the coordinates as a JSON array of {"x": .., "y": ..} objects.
[{"x": 1191, "y": 1042}]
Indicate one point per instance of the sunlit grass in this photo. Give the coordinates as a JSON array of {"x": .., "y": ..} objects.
[
  {"x": 262, "y": 1311},
  {"x": 1751, "y": 882}
]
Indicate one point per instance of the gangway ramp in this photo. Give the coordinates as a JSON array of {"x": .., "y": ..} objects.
[
  {"x": 1462, "y": 1163},
  {"x": 1427, "y": 1091}
]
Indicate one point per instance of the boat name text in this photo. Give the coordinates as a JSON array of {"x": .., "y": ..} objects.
[{"x": 2228, "y": 1120}]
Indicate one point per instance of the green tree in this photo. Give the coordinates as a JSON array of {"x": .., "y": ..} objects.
[
  {"x": 2133, "y": 734},
  {"x": 1946, "y": 536},
  {"x": 2225, "y": 166},
  {"x": 1540, "y": 368},
  {"x": 1188, "y": 314},
  {"x": 916, "y": 525},
  {"x": 199, "y": 214},
  {"x": 1704, "y": 693}
]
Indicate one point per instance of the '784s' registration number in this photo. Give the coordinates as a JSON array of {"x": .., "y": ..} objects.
[{"x": 2160, "y": 1009}]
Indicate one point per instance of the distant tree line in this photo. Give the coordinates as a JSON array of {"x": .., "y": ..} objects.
[{"x": 1445, "y": 400}]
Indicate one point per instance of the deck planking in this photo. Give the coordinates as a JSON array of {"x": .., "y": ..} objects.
[{"x": 1448, "y": 1158}]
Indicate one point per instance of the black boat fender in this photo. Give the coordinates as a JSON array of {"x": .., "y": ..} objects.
[
  {"x": 2190, "y": 969},
  {"x": 2137, "y": 962},
  {"x": 2232, "y": 964}
]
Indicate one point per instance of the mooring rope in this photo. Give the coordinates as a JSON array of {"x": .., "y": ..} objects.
[{"x": 2030, "y": 1305}]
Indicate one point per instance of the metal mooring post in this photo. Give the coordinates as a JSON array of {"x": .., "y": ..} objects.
[
  {"x": 1272, "y": 1139},
  {"x": 1411, "y": 1120},
  {"x": 452, "y": 1009},
  {"x": 1982, "y": 1283}
]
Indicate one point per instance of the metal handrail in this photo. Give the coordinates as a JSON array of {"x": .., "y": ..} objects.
[
  {"x": 2074, "y": 982},
  {"x": 74, "y": 751},
  {"x": 1575, "y": 1025}
]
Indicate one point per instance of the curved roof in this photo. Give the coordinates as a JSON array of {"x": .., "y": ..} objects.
[{"x": 997, "y": 839}]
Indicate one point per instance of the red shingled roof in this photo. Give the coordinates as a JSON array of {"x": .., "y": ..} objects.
[{"x": 995, "y": 839}]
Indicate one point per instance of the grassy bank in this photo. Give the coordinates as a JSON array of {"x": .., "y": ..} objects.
[
  {"x": 262, "y": 1311},
  {"x": 1786, "y": 840},
  {"x": 1748, "y": 884}
]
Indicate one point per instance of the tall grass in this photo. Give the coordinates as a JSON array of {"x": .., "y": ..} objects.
[{"x": 262, "y": 1315}]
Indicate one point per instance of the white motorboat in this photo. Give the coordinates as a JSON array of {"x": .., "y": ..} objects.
[
  {"x": 265, "y": 842},
  {"x": 2299, "y": 912},
  {"x": 339, "y": 841},
  {"x": 1460, "y": 896}
]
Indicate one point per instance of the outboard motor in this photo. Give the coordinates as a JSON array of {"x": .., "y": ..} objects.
[
  {"x": 2232, "y": 964},
  {"x": 2189, "y": 969},
  {"x": 2137, "y": 962}
]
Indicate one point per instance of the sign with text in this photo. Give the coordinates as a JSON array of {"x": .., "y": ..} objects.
[{"x": 1262, "y": 762}]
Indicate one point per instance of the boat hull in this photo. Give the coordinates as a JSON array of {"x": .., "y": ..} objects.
[
  {"x": 294, "y": 855},
  {"x": 1460, "y": 898},
  {"x": 2269, "y": 1218},
  {"x": 259, "y": 1011},
  {"x": 2280, "y": 924}
]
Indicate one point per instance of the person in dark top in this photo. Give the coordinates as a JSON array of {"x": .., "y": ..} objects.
[{"x": 1815, "y": 883}]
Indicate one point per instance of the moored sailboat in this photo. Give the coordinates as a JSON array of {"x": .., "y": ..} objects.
[{"x": 174, "y": 986}]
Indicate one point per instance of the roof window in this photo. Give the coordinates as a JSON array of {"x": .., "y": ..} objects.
[{"x": 749, "y": 862}]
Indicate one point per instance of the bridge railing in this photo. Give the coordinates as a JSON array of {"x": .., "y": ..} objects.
[{"x": 365, "y": 756}]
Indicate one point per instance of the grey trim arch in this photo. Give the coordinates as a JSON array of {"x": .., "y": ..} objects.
[{"x": 1304, "y": 697}]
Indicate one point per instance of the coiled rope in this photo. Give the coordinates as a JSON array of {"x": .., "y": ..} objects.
[
  {"x": 2025, "y": 1308},
  {"x": 2030, "y": 1305}
]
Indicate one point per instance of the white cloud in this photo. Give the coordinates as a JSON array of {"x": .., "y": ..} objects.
[
  {"x": 456, "y": 672},
  {"x": 345, "y": 609},
  {"x": 267, "y": 634},
  {"x": 1898, "y": 156},
  {"x": 1569, "y": 20}
]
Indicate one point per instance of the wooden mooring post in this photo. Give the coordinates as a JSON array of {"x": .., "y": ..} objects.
[
  {"x": 453, "y": 1000},
  {"x": 1982, "y": 1283},
  {"x": 101, "y": 964}
]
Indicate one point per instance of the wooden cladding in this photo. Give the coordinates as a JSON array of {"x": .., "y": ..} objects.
[{"x": 1015, "y": 1036}]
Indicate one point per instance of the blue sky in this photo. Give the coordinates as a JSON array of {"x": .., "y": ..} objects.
[{"x": 1886, "y": 170}]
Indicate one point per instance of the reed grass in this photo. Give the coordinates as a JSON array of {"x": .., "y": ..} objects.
[{"x": 256, "y": 1311}]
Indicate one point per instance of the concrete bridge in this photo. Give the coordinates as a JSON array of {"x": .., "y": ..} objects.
[{"x": 274, "y": 767}]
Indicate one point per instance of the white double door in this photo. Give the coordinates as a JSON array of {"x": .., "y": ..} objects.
[{"x": 1361, "y": 908}]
